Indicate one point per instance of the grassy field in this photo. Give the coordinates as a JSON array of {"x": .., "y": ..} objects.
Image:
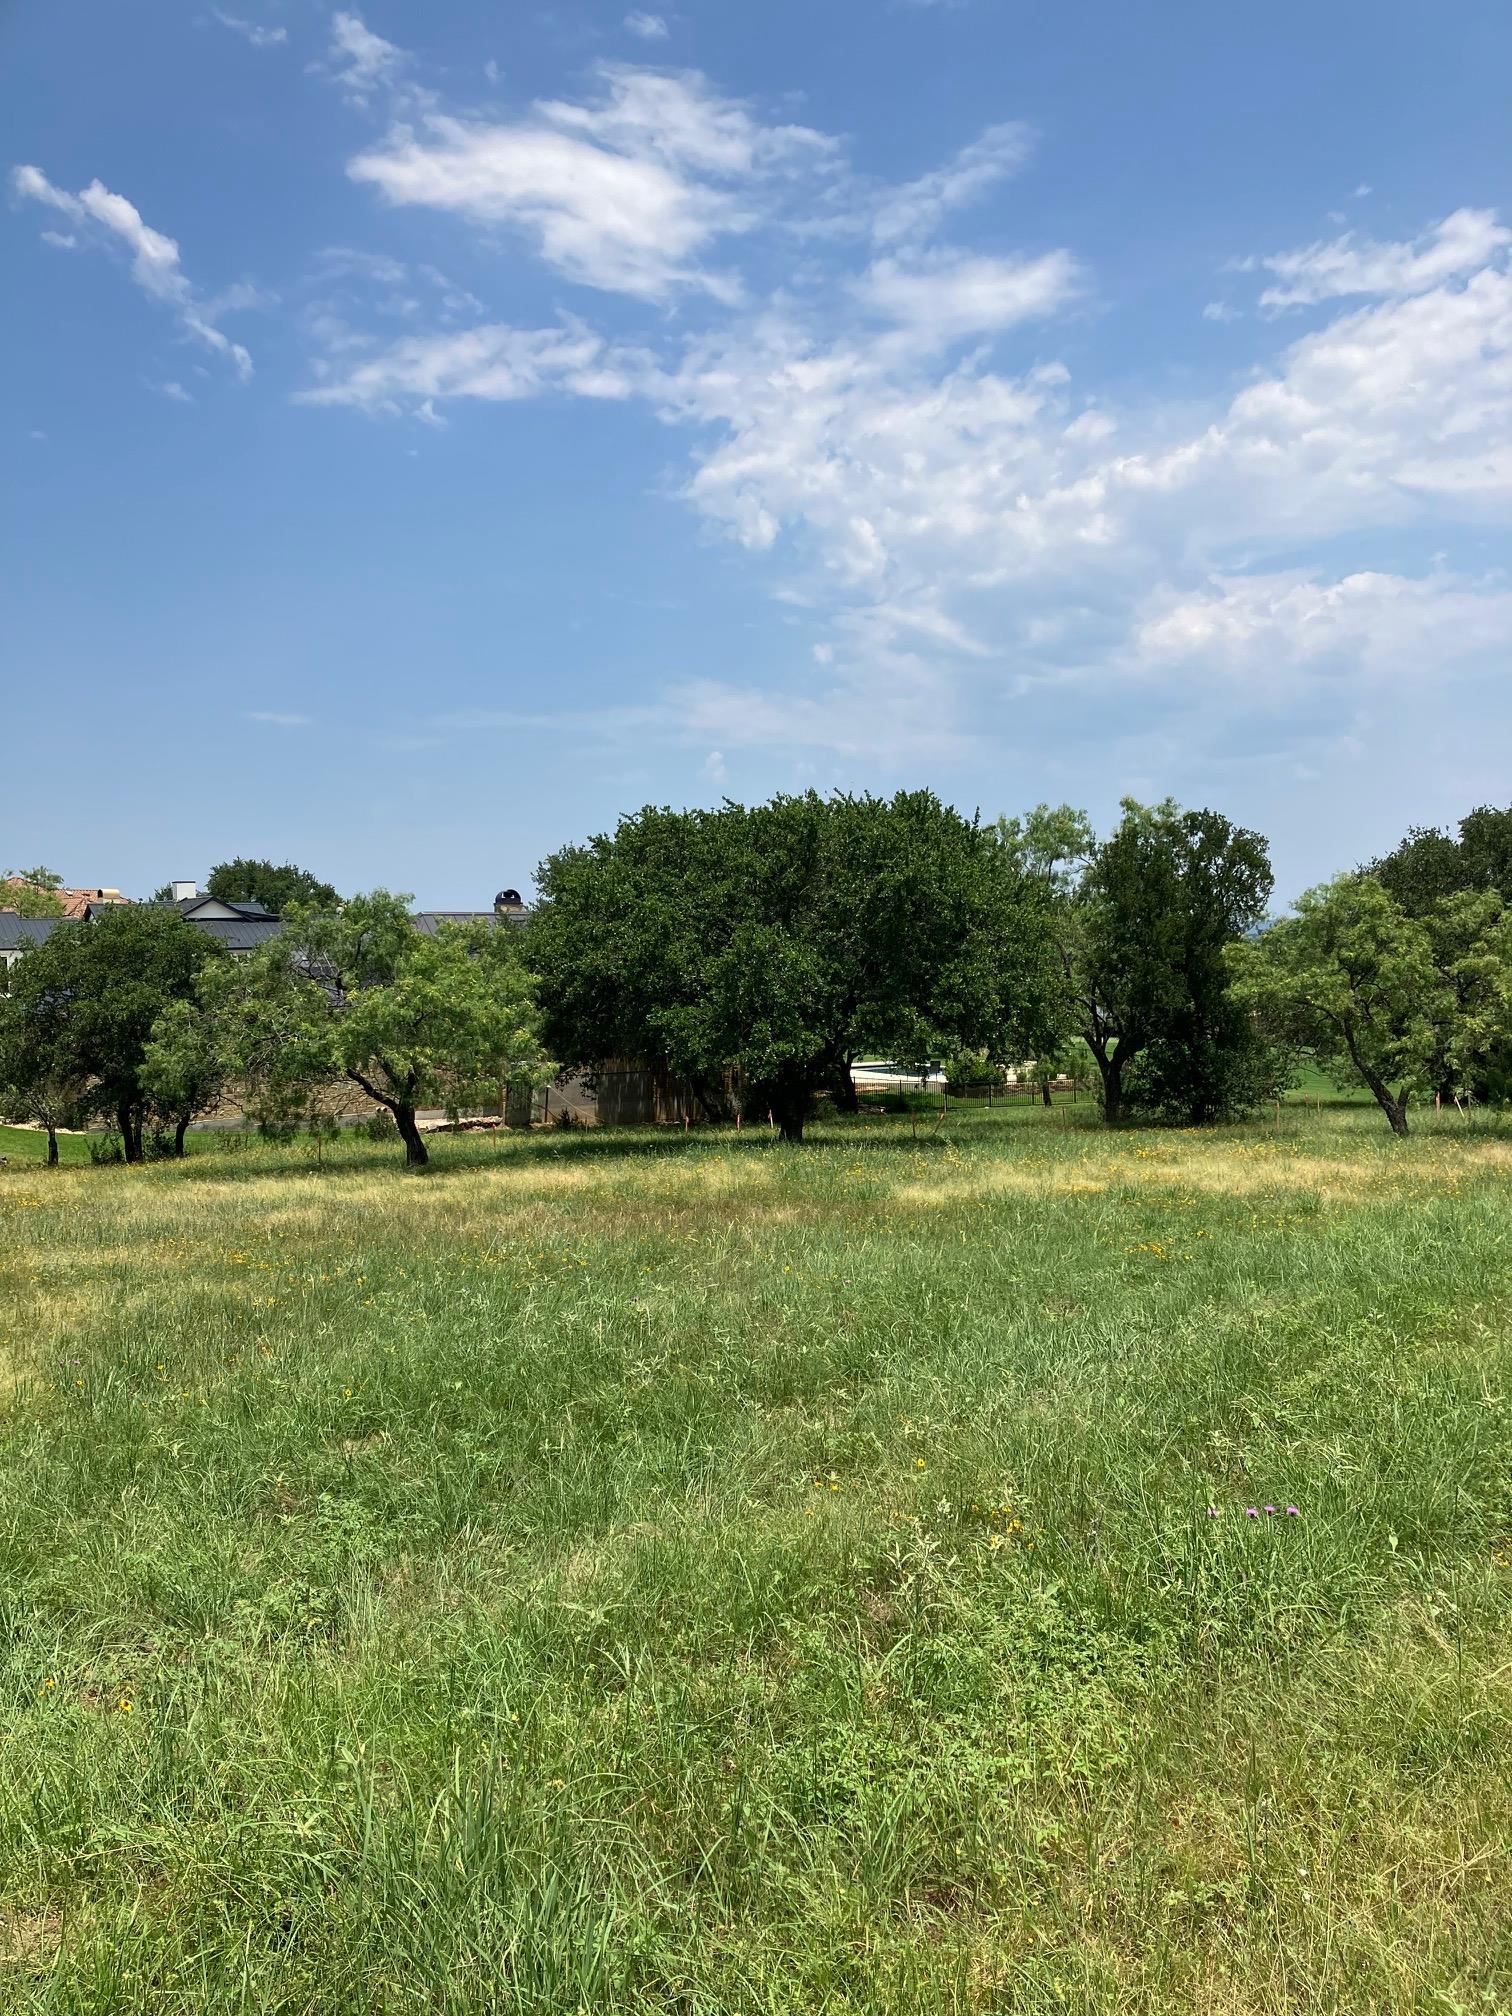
[
  {"x": 628, "y": 1573},
  {"x": 28, "y": 1144}
]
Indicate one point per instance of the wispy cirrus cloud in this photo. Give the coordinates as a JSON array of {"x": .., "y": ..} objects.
[
  {"x": 257, "y": 33},
  {"x": 268, "y": 719},
  {"x": 625, "y": 193},
  {"x": 360, "y": 60},
  {"x": 493, "y": 362},
  {"x": 942, "y": 295},
  {"x": 1463, "y": 242},
  {"x": 103, "y": 217},
  {"x": 914, "y": 209}
]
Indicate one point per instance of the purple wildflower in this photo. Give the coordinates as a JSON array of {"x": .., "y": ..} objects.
[
  {"x": 1271, "y": 1509},
  {"x": 1293, "y": 1512},
  {"x": 1212, "y": 1511},
  {"x": 1252, "y": 1511}
]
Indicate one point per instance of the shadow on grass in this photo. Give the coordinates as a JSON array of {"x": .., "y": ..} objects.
[{"x": 247, "y": 1159}]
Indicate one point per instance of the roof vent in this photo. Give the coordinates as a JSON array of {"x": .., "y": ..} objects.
[
  {"x": 184, "y": 892},
  {"x": 507, "y": 899}
]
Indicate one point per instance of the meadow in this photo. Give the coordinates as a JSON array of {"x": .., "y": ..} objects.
[{"x": 983, "y": 1564}]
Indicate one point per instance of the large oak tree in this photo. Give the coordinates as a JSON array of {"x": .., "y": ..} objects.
[{"x": 772, "y": 945}]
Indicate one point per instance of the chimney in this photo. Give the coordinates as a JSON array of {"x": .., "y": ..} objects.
[{"x": 183, "y": 891}]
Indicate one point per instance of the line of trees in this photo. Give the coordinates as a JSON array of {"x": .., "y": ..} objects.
[
  {"x": 142, "y": 1021},
  {"x": 756, "y": 952}
]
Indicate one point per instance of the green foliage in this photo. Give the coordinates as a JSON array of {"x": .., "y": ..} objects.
[
  {"x": 277, "y": 888},
  {"x": 32, "y": 892},
  {"x": 358, "y": 994},
  {"x": 1429, "y": 866},
  {"x": 185, "y": 1069},
  {"x": 1394, "y": 1001},
  {"x": 1143, "y": 919},
  {"x": 98, "y": 990},
  {"x": 1424, "y": 873},
  {"x": 42, "y": 1079},
  {"x": 1423, "y": 869},
  {"x": 781, "y": 941},
  {"x": 966, "y": 1069}
]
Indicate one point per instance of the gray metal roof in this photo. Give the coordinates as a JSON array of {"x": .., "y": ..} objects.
[
  {"x": 239, "y": 934},
  {"x": 428, "y": 920},
  {"x": 18, "y": 931}
]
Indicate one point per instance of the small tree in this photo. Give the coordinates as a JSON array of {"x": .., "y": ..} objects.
[
  {"x": 410, "y": 1019},
  {"x": 40, "y": 1078},
  {"x": 185, "y": 1068},
  {"x": 1381, "y": 998},
  {"x": 277, "y": 887},
  {"x": 1142, "y": 920},
  {"x": 33, "y": 892}
]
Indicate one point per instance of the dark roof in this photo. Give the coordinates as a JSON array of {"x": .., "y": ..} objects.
[
  {"x": 427, "y": 920},
  {"x": 239, "y": 934},
  {"x": 18, "y": 931}
]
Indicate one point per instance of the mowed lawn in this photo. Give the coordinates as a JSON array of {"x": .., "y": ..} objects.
[{"x": 637, "y": 1573}]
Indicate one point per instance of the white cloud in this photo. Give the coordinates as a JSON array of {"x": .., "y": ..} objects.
[
  {"x": 360, "y": 60},
  {"x": 271, "y": 720},
  {"x": 1461, "y": 244},
  {"x": 913, "y": 209},
  {"x": 495, "y": 362},
  {"x": 1220, "y": 311},
  {"x": 154, "y": 258},
  {"x": 943, "y": 295},
  {"x": 714, "y": 767},
  {"x": 649, "y": 27},
  {"x": 172, "y": 389},
  {"x": 624, "y": 194},
  {"x": 252, "y": 31},
  {"x": 961, "y": 526},
  {"x": 1276, "y": 632}
]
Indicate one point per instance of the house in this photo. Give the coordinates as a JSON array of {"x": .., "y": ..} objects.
[
  {"x": 17, "y": 933},
  {"x": 241, "y": 926},
  {"x": 76, "y": 902}
]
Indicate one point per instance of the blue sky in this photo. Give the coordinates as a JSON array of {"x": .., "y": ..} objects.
[{"x": 434, "y": 430}]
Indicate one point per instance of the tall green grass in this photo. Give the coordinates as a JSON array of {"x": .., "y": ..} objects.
[{"x": 636, "y": 1573}]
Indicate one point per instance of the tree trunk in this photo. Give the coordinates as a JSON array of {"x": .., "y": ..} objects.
[
  {"x": 52, "y": 1147},
  {"x": 843, "y": 1088},
  {"x": 790, "y": 1104},
  {"x": 416, "y": 1155},
  {"x": 130, "y": 1124},
  {"x": 1393, "y": 1106},
  {"x": 1111, "y": 1070},
  {"x": 712, "y": 1097},
  {"x": 180, "y": 1130}
]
